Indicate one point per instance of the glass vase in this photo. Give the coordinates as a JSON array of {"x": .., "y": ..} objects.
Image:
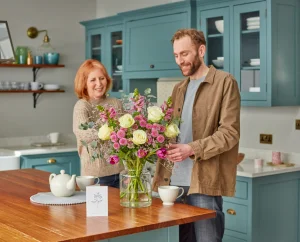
[{"x": 135, "y": 189}]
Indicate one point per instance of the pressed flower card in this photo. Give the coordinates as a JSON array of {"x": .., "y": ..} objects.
[{"x": 96, "y": 201}]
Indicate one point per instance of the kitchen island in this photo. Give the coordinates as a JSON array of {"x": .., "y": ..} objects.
[{"x": 21, "y": 220}]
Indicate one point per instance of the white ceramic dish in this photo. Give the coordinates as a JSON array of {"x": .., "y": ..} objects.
[
  {"x": 220, "y": 58},
  {"x": 120, "y": 67},
  {"x": 51, "y": 87},
  {"x": 220, "y": 26},
  {"x": 254, "y": 89},
  {"x": 253, "y": 23},
  {"x": 253, "y": 19},
  {"x": 218, "y": 63},
  {"x": 254, "y": 63},
  {"x": 255, "y": 60}
]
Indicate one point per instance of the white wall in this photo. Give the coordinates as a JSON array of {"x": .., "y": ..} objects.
[
  {"x": 111, "y": 7},
  {"x": 54, "y": 111}
]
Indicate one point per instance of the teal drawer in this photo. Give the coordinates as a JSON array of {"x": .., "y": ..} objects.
[
  {"x": 236, "y": 217},
  {"x": 227, "y": 238},
  {"x": 241, "y": 190},
  {"x": 53, "y": 163}
]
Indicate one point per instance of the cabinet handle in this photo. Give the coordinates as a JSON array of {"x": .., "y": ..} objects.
[
  {"x": 231, "y": 211},
  {"x": 152, "y": 66},
  {"x": 51, "y": 161}
]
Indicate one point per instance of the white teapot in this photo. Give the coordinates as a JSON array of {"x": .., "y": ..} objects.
[{"x": 62, "y": 185}]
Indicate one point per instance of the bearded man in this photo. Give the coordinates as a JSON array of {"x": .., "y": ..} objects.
[{"x": 205, "y": 156}]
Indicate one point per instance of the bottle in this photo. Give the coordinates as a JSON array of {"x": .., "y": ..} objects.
[{"x": 29, "y": 58}]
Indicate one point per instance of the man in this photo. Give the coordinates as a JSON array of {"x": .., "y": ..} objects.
[{"x": 205, "y": 157}]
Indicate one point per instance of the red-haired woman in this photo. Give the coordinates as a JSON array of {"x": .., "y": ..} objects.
[{"x": 91, "y": 86}]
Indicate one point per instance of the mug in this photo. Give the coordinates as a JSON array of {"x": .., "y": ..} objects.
[
  {"x": 36, "y": 86},
  {"x": 168, "y": 194},
  {"x": 276, "y": 157},
  {"x": 53, "y": 137},
  {"x": 84, "y": 181}
]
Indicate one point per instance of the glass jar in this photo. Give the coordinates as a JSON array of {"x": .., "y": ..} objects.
[{"x": 135, "y": 189}]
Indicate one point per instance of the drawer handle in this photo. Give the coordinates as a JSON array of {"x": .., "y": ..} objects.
[
  {"x": 51, "y": 161},
  {"x": 152, "y": 66},
  {"x": 231, "y": 211}
]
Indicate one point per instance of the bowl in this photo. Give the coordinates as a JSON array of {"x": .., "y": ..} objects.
[
  {"x": 218, "y": 63},
  {"x": 220, "y": 25},
  {"x": 120, "y": 67},
  {"x": 51, "y": 58},
  {"x": 51, "y": 87},
  {"x": 220, "y": 58}
]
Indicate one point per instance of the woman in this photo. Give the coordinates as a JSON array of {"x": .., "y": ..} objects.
[{"x": 91, "y": 86}]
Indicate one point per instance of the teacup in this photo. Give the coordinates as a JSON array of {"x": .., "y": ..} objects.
[
  {"x": 36, "y": 86},
  {"x": 84, "y": 181},
  {"x": 53, "y": 137},
  {"x": 168, "y": 194}
]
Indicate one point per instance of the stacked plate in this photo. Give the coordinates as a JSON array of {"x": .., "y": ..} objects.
[
  {"x": 218, "y": 62},
  {"x": 254, "y": 62},
  {"x": 253, "y": 23}
]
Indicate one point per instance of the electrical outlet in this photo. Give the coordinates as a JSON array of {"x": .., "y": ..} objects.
[
  {"x": 297, "y": 124},
  {"x": 265, "y": 138}
]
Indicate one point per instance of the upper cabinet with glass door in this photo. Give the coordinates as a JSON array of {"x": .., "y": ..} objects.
[
  {"x": 94, "y": 46},
  {"x": 250, "y": 50},
  {"x": 215, "y": 26}
]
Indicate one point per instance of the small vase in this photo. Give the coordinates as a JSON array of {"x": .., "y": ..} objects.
[{"x": 135, "y": 189}]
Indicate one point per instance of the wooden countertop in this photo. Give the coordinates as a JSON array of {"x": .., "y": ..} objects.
[{"x": 21, "y": 220}]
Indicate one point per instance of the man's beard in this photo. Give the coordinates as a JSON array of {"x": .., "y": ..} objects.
[{"x": 195, "y": 65}]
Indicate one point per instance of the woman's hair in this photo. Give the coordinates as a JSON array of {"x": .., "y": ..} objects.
[{"x": 80, "y": 82}]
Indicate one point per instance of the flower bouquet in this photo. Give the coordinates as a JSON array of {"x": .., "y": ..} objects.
[{"x": 137, "y": 136}]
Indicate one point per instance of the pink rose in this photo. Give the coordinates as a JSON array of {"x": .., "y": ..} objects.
[
  {"x": 121, "y": 134},
  {"x": 113, "y": 137},
  {"x": 154, "y": 133},
  {"x": 123, "y": 141},
  {"x": 113, "y": 159},
  {"x": 161, "y": 153},
  {"x": 141, "y": 153},
  {"x": 143, "y": 123},
  {"x": 116, "y": 146},
  {"x": 148, "y": 126},
  {"x": 160, "y": 138}
]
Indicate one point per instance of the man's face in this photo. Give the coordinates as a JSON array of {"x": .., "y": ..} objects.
[{"x": 186, "y": 56}]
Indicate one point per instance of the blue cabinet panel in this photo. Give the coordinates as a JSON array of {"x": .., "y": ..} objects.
[
  {"x": 148, "y": 42},
  {"x": 69, "y": 161}
]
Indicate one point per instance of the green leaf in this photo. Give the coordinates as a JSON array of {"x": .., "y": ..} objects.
[
  {"x": 94, "y": 144},
  {"x": 83, "y": 126}
]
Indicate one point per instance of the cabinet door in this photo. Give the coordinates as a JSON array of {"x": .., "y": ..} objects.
[
  {"x": 53, "y": 163},
  {"x": 249, "y": 41},
  {"x": 115, "y": 67},
  {"x": 94, "y": 44},
  {"x": 148, "y": 42},
  {"x": 215, "y": 26}
]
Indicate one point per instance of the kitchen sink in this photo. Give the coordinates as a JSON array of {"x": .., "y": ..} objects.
[{"x": 9, "y": 160}]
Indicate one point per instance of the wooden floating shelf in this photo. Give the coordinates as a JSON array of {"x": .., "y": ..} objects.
[
  {"x": 31, "y": 66},
  {"x": 29, "y": 91}
]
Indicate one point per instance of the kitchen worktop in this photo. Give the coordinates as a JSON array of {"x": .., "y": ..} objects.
[
  {"x": 24, "y": 221},
  {"x": 246, "y": 169}
]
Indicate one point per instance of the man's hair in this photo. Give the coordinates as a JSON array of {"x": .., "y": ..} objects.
[{"x": 196, "y": 36}]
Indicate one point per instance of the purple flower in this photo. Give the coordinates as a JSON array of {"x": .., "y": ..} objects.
[
  {"x": 112, "y": 112},
  {"x": 116, "y": 146},
  {"x": 141, "y": 153},
  {"x": 123, "y": 141},
  {"x": 113, "y": 159},
  {"x": 103, "y": 117},
  {"x": 161, "y": 153},
  {"x": 160, "y": 138},
  {"x": 121, "y": 134}
]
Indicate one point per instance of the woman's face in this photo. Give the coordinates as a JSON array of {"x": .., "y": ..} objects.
[{"x": 96, "y": 84}]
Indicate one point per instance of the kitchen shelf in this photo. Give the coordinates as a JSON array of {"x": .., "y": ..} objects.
[
  {"x": 215, "y": 35},
  {"x": 35, "y": 69}
]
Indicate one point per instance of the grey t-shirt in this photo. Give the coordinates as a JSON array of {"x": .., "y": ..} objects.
[{"x": 182, "y": 171}]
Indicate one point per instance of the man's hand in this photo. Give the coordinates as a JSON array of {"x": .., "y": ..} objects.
[{"x": 179, "y": 152}]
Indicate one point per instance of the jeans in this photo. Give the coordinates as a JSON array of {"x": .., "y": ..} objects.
[
  {"x": 208, "y": 230},
  {"x": 111, "y": 181}
]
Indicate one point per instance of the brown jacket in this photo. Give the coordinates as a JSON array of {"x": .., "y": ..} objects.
[{"x": 216, "y": 133}]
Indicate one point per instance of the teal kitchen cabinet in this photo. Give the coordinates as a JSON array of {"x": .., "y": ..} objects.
[
  {"x": 259, "y": 42},
  {"x": 53, "y": 162},
  {"x": 104, "y": 42},
  {"x": 148, "y": 34},
  {"x": 264, "y": 209}
]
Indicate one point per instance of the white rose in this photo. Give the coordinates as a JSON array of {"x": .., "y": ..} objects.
[
  {"x": 104, "y": 132},
  {"x": 172, "y": 130},
  {"x": 139, "y": 137},
  {"x": 126, "y": 121},
  {"x": 155, "y": 113}
]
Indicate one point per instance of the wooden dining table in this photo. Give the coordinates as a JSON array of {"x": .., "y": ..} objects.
[{"x": 22, "y": 220}]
